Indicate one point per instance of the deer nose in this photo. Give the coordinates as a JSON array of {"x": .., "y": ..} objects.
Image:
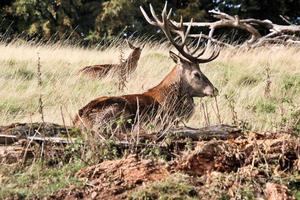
[
  {"x": 210, "y": 91},
  {"x": 216, "y": 92}
]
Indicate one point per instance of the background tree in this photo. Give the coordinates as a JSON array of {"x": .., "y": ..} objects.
[
  {"x": 91, "y": 21},
  {"x": 262, "y": 9}
]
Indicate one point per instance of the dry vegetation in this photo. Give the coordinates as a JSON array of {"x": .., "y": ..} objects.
[
  {"x": 259, "y": 91},
  {"x": 241, "y": 76}
]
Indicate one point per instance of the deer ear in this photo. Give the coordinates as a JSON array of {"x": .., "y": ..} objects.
[
  {"x": 130, "y": 44},
  {"x": 175, "y": 57}
]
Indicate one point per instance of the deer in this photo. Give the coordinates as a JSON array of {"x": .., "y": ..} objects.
[
  {"x": 172, "y": 96},
  {"x": 128, "y": 66}
]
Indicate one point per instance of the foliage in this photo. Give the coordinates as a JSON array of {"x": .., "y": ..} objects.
[{"x": 92, "y": 21}]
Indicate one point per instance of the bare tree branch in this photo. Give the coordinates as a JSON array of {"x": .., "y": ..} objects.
[{"x": 283, "y": 34}]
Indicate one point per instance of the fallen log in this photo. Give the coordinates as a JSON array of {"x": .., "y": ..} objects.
[
  {"x": 219, "y": 132},
  {"x": 37, "y": 128},
  {"x": 49, "y": 132},
  {"x": 10, "y": 139}
]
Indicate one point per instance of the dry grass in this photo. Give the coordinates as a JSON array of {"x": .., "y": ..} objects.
[{"x": 239, "y": 75}]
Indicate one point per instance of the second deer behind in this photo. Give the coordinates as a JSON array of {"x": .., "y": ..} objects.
[
  {"x": 166, "y": 104},
  {"x": 125, "y": 67}
]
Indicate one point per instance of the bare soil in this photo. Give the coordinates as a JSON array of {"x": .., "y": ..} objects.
[
  {"x": 215, "y": 167},
  {"x": 118, "y": 178}
]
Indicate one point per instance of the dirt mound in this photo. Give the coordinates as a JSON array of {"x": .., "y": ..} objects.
[
  {"x": 204, "y": 156},
  {"x": 230, "y": 155},
  {"x": 114, "y": 179}
]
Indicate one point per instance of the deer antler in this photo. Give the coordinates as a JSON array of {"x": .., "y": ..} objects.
[{"x": 167, "y": 27}]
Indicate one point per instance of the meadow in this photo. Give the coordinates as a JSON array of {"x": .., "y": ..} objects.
[
  {"x": 259, "y": 88},
  {"x": 259, "y": 92}
]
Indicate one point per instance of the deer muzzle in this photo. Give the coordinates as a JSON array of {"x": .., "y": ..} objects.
[{"x": 211, "y": 91}]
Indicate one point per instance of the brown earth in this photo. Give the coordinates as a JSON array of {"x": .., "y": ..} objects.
[
  {"x": 116, "y": 179},
  {"x": 241, "y": 155}
]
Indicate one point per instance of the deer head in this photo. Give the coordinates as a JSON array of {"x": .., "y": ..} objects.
[
  {"x": 137, "y": 50},
  {"x": 194, "y": 82},
  {"x": 134, "y": 48},
  {"x": 131, "y": 46}
]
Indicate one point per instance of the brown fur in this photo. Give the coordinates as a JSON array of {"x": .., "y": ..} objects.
[
  {"x": 98, "y": 71},
  {"x": 146, "y": 105},
  {"x": 101, "y": 71},
  {"x": 172, "y": 98}
]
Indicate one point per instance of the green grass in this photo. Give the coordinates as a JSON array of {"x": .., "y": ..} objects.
[
  {"x": 239, "y": 75},
  {"x": 265, "y": 106},
  {"x": 291, "y": 82},
  {"x": 38, "y": 180},
  {"x": 176, "y": 186},
  {"x": 249, "y": 80}
]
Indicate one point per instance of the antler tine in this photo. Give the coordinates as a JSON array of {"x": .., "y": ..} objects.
[
  {"x": 201, "y": 52},
  {"x": 167, "y": 26},
  {"x": 197, "y": 46},
  {"x": 179, "y": 30},
  {"x": 165, "y": 9},
  {"x": 169, "y": 14},
  {"x": 154, "y": 15},
  {"x": 213, "y": 56},
  {"x": 147, "y": 17},
  {"x": 187, "y": 31},
  {"x": 181, "y": 21}
]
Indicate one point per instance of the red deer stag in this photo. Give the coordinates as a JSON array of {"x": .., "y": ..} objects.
[
  {"x": 129, "y": 65},
  {"x": 173, "y": 95}
]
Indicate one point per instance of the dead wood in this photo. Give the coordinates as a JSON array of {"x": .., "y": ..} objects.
[
  {"x": 275, "y": 191},
  {"x": 10, "y": 139},
  {"x": 34, "y": 131},
  {"x": 281, "y": 34},
  {"x": 48, "y": 132},
  {"x": 219, "y": 132},
  {"x": 230, "y": 155},
  {"x": 115, "y": 179}
]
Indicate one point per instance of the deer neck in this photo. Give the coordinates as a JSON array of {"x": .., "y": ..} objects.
[
  {"x": 170, "y": 88},
  {"x": 133, "y": 59}
]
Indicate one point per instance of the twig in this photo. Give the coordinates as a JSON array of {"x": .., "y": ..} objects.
[
  {"x": 204, "y": 114},
  {"x": 122, "y": 71},
  {"x": 63, "y": 120},
  {"x": 218, "y": 110},
  {"x": 268, "y": 83},
  {"x": 286, "y": 20},
  {"x": 232, "y": 108},
  {"x": 39, "y": 73}
]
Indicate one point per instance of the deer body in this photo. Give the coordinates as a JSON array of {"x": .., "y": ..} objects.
[
  {"x": 127, "y": 66},
  {"x": 98, "y": 71},
  {"x": 171, "y": 98}
]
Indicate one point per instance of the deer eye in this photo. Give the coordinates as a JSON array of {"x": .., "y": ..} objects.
[{"x": 197, "y": 75}]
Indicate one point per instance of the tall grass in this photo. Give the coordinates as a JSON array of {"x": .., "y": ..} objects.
[{"x": 239, "y": 75}]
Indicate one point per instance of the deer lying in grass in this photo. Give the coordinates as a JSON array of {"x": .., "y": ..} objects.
[
  {"x": 129, "y": 65},
  {"x": 173, "y": 96}
]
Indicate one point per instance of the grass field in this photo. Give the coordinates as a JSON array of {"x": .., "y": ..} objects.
[
  {"x": 259, "y": 90},
  {"x": 241, "y": 77}
]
